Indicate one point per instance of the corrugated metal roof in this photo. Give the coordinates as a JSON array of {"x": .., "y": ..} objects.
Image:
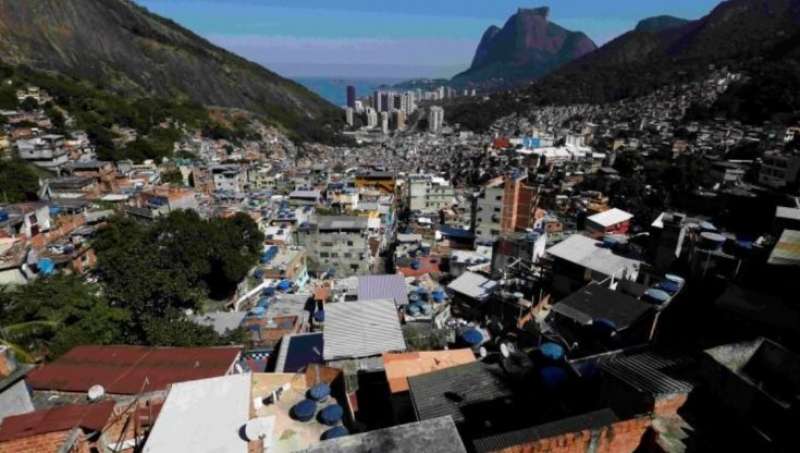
[
  {"x": 611, "y": 217},
  {"x": 438, "y": 435},
  {"x": 649, "y": 372},
  {"x": 473, "y": 285},
  {"x": 448, "y": 391},
  {"x": 92, "y": 417},
  {"x": 361, "y": 329},
  {"x": 596, "y": 302},
  {"x": 787, "y": 250},
  {"x": 123, "y": 370},
  {"x": 375, "y": 287},
  {"x": 588, "y": 253}
]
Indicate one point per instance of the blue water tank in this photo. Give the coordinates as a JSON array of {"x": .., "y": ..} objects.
[
  {"x": 416, "y": 265},
  {"x": 669, "y": 286},
  {"x": 268, "y": 291},
  {"x": 258, "y": 274},
  {"x": 656, "y": 295},
  {"x": 3, "y": 216},
  {"x": 46, "y": 266},
  {"x": 438, "y": 295},
  {"x": 413, "y": 297},
  {"x": 263, "y": 302},
  {"x": 472, "y": 337},
  {"x": 304, "y": 410},
  {"x": 413, "y": 309},
  {"x": 319, "y": 316},
  {"x": 552, "y": 351},
  {"x": 333, "y": 433},
  {"x": 284, "y": 285},
  {"x": 331, "y": 415},
  {"x": 258, "y": 311},
  {"x": 604, "y": 327},
  {"x": 553, "y": 377},
  {"x": 319, "y": 392}
]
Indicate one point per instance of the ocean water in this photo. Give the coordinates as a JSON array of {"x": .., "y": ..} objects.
[{"x": 335, "y": 89}]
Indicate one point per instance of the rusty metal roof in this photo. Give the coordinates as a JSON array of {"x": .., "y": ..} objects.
[
  {"x": 91, "y": 417},
  {"x": 128, "y": 370}
]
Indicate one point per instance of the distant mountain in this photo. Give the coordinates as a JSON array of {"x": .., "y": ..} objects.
[
  {"x": 122, "y": 46},
  {"x": 737, "y": 33},
  {"x": 660, "y": 23},
  {"x": 528, "y": 47}
]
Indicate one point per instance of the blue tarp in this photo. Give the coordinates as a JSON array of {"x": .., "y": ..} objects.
[{"x": 46, "y": 266}]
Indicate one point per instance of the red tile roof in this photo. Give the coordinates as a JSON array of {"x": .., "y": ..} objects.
[
  {"x": 90, "y": 417},
  {"x": 123, "y": 370}
]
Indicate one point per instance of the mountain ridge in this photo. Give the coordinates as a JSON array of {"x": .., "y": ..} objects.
[
  {"x": 120, "y": 45},
  {"x": 527, "y": 47}
]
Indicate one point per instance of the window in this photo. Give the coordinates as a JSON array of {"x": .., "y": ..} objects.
[
  {"x": 323, "y": 254},
  {"x": 349, "y": 243},
  {"x": 497, "y": 209},
  {"x": 354, "y": 267},
  {"x": 498, "y": 198}
]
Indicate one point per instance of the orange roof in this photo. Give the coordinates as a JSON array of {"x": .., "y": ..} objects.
[{"x": 400, "y": 366}]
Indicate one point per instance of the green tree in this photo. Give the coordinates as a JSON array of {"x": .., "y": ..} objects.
[
  {"x": 172, "y": 177},
  {"x": 50, "y": 316},
  {"x": 17, "y": 182},
  {"x": 29, "y": 104}
]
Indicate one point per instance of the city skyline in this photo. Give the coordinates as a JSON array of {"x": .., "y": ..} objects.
[{"x": 358, "y": 38}]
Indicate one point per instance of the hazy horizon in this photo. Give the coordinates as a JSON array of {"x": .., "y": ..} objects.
[{"x": 379, "y": 39}]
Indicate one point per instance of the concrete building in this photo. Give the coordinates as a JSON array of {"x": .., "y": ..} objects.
[
  {"x": 47, "y": 152},
  {"x": 505, "y": 205},
  {"x": 613, "y": 221},
  {"x": 349, "y": 116},
  {"x": 228, "y": 178},
  {"x": 779, "y": 170},
  {"x": 372, "y": 117},
  {"x": 338, "y": 243},
  {"x": 435, "y": 119},
  {"x": 428, "y": 193}
]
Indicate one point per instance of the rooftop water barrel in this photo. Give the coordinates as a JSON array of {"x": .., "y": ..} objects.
[
  {"x": 668, "y": 286},
  {"x": 258, "y": 311},
  {"x": 553, "y": 377},
  {"x": 416, "y": 265},
  {"x": 712, "y": 241},
  {"x": 46, "y": 266},
  {"x": 413, "y": 309},
  {"x": 604, "y": 327},
  {"x": 263, "y": 302},
  {"x": 268, "y": 291},
  {"x": 675, "y": 278},
  {"x": 472, "y": 337},
  {"x": 552, "y": 351},
  {"x": 656, "y": 295},
  {"x": 304, "y": 410},
  {"x": 284, "y": 285},
  {"x": 438, "y": 295},
  {"x": 319, "y": 392},
  {"x": 707, "y": 226},
  {"x": 331, "y": 415},
  {"x": 333, "y": 433},
  {"x": 413, "y": 297},
  {"x": 258, "y": 274},
  {"x": 3, "y": 216}
]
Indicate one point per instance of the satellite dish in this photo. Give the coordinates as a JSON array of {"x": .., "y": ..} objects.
[
  {"x": 482, "y": 352},
  {"x": 260, "y": 428},
  {"x": 96, "y": 392},
  {"x": 504, "y": 350}
]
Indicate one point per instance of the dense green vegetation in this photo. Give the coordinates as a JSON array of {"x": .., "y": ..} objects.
[
  {"x": 148, "y": 276},
  {"x": 17, "y": 182}
]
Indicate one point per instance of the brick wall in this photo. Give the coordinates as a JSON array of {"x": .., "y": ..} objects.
[{"x": 620, "y": 437}]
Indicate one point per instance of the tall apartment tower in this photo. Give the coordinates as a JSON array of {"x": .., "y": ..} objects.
[
  {"x": 351, "y": 96},
  {"x": 435, "y": 119}
]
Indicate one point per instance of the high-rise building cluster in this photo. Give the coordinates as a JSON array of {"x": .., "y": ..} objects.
[{"x": 398, "y": 105}]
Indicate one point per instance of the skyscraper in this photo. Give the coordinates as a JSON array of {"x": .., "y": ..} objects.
[
  {"x": 351, "y": 96},
  {"x": 435, "y": 119}
]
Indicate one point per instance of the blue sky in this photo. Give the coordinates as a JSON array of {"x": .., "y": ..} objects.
[{"x": 378, "y": 38}]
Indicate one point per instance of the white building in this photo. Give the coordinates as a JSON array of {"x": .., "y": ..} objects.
[
  {"x": 435, "y": 119},
  {"x": 428, "y": 193},
  {"x": 489, "y": 210},
  {"x": 779, "y": 169},
  {"x": 228, "y": 178},
  {"x": 372, "y": 117}
]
